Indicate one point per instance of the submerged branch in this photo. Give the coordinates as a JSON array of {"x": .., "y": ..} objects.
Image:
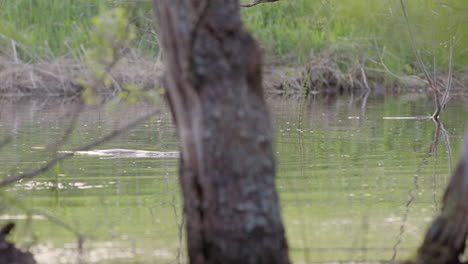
[{"x": 51, "y": 163}]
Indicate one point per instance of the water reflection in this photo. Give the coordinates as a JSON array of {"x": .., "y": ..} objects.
[
  {"x": 432, "y": 151},
  {"x": 351, "y": 188}
]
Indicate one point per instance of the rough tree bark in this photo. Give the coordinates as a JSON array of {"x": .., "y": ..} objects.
[
  {"x": 445, "y": 240},
  {"x": 227, "y": 169}
]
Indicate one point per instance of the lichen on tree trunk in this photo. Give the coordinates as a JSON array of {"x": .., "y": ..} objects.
[{"x": 227, "y": 169}]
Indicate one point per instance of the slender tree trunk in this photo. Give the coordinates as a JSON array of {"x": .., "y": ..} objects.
[
  {"x": 227, "y": 169},
  {"x": 446, "y": 237}
]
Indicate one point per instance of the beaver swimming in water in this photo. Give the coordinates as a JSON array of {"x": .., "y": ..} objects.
[{"x": 125, "y": 153}]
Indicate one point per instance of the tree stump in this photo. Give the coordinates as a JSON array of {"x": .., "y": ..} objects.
[{"x": 9, "y": 254}]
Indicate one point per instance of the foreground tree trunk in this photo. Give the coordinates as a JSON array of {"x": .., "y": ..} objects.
[
  {"x": 227, "y": 167},
  {"x": 446, "y": 237}
]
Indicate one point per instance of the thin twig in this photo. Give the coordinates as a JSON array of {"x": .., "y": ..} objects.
[
  {"x": 61, "y": 223},
  {"x": 256, "y": 2},
  {"x": 51, "y": 163},
  {"x": 449, "y": 81},
  {"x": 416, "y": 51},
  {"x": 364, "y": 79},
  {"x": 440, "y": 103},
  {"x": 410, "y": 79}
]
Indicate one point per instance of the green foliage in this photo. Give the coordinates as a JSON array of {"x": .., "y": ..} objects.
[
  {"x": 58, "y": 27},
  {"x": 110, "y": 34},
  {"x": 109, "y": 38},
  {"x": 301, "y": 27},
  {"x": 370, "y": 28},
  {"x": 131, "y": 93},
  {"x": 51, "y": 27}
]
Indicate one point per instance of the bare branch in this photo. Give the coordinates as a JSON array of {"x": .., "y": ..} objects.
[
  {"x": 51, "y": 163},
  {"x": 413, "y": 79},
  {"x": 416, "y": 51},
  {"x": 256, "y": 2},
  {"x": 439, "y": 102},
  {"x": 449, "y": 82}
]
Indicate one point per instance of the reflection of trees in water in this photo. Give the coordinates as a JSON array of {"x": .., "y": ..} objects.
[
  {"x": 67, "y": 114},
  {"x": 179, "y": 220},
  {"x": 446, "y": 237},
  {"x": 432, "y": 151},
  {"x": 56, "y": 112}
]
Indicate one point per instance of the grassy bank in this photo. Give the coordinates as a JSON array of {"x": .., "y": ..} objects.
[
  {"x": 371, "y": 28},
  {"x": 42, "y": 29},
  {"x": 357, "y": 34}
]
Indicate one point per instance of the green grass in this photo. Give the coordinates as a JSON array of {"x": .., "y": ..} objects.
[
  {"x": 371, "y": 29},
  {"x": 44, "y": 27},
  {"x": 58, "y": 27}
]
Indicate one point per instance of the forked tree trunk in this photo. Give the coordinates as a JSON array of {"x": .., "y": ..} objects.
[
  {"x": 227, "y": 169},
  {"x": 446, "y": 237}
]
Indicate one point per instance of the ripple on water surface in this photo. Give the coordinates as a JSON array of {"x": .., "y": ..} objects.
[{"x": 351, "y": 188}]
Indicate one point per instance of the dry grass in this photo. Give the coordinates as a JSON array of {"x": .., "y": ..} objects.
[
  {"x": 328, "y": 71},
  {"x": 55, "y": 77},
  {"x": 338, "y": 71},
  {"x": 60, "y": 76}
]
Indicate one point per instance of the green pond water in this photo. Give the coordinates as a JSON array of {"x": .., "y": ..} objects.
[{"x": 353, "y": 185}]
